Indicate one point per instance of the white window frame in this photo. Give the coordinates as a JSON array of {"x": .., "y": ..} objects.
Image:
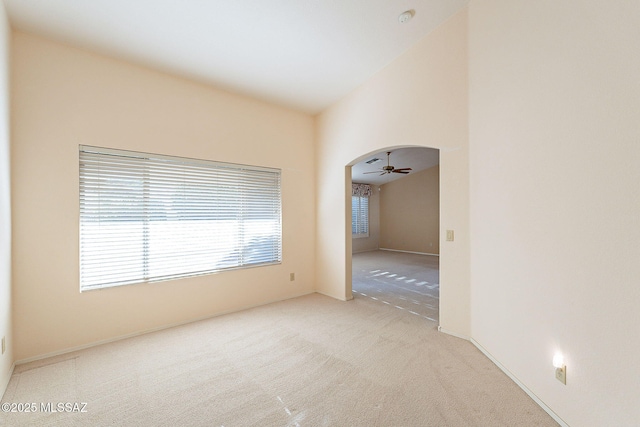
[
  {"x": 359, "y": 216},
  {"x": 148, "y": 217}
]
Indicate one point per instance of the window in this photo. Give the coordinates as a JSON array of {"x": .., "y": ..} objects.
[
  {"x": 147, "y": 217},
  {"x": 359, "y": 216}
]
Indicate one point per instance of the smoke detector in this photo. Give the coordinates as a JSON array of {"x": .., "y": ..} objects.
[{"x": 406, "y": 16}]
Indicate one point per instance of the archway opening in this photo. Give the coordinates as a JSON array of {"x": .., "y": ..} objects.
[{"x": 394, "y": 248}]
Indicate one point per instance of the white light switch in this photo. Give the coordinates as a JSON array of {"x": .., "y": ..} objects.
[{"x": 449, "y": 235}]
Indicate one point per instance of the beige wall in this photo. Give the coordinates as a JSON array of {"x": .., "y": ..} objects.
[
  {"x": 370, "y": 243},
  {"x": 410, "y": 213},
  {"x": 6, "y": 360},
  {"x": 418, "y": 100},
  {"x": 555, "y": 172},
  {"x": 63, "y": 97}
]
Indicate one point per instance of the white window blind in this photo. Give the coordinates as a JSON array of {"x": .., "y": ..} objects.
[
  {"x": 360, "y": 216},
  {"x": 147, "y": 217}
]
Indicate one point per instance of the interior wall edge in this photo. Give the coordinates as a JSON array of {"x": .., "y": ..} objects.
[{"x": 6, "y": 240}]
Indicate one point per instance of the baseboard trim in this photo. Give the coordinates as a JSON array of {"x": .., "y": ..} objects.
[
  {"x": 520, "y": 384},
  {"x": 148, "y": 331},
  {"x": 6, "y": 380},
  {"x": 345, "y": 299},
  {"x": 453, "y": 334},
  {"x": 408, "y": 252}
]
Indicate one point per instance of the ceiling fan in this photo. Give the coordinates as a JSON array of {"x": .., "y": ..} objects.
[{"x": 389, "y": 168}]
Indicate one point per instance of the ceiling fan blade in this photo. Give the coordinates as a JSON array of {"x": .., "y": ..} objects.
[
  {"x": 383, "y": 173},
  {"x": 402, "y": 169},
  {"x": 399, "y": 171},
  {"x": 364, "y": 173}
]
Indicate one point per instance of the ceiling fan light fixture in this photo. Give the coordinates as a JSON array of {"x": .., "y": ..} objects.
[{"x": 388, "y": 168}]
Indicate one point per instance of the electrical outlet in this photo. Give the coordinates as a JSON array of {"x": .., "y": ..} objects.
[
  {"x": 3, "y": 345},
  {"x": 561, "y": 374},
  {"x": 292, "y": 277}
]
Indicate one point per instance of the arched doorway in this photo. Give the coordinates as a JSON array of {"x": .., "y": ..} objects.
[{"x": 393, "y": 252}]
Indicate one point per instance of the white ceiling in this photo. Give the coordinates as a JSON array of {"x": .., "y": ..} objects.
[
  {"x": 416, "y": 158},
  {"x": 305, "y": 54}
]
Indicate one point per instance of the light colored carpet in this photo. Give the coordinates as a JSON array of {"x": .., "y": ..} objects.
[
  {"x": 309, "y": 361},
  {"x": 400, "y": 280}
]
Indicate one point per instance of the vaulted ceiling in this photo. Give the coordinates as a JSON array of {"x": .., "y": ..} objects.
[{"x": 304, "y": 54}]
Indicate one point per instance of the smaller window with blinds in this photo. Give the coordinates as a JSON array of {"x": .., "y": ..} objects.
[
  {"x": 359, "y": 216},
  {"x": 147, "y": 217},
  {"x": 360, "y": 194}
]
